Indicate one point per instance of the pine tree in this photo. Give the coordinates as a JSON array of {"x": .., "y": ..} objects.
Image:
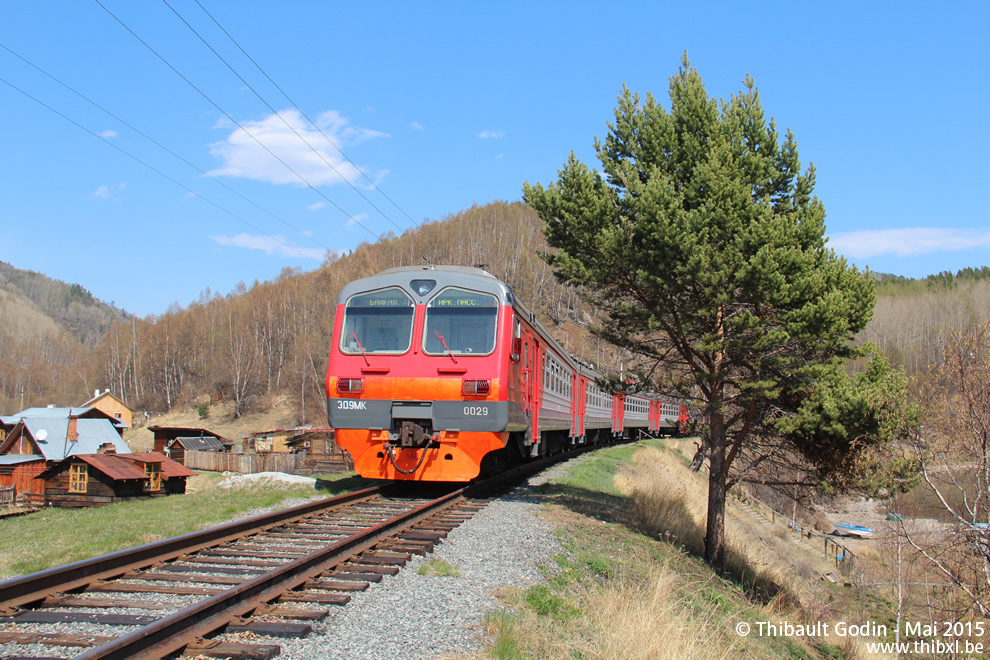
[{"x": 705, "y": 247}]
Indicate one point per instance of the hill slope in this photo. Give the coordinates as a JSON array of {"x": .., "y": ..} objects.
[{"x": 69, "y": 306}]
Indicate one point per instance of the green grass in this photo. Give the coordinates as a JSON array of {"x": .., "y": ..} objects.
[
  {"x": 54, "y": 537},
  {"x": 545, "y": 602}
]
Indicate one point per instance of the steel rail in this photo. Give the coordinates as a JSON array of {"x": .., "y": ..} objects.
[
  {"x": 175, "y": 632},
  {"x": 31, "y": 588}
]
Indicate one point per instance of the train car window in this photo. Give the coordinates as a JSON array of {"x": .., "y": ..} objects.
[
  {"x": 465, "y": 320},
  {"x": 378, "y": 322},
  {"x": 516, "y": 340}
]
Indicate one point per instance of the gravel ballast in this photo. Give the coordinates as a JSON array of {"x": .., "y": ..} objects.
[
  {"x": 419, "y": 616},
  {"x": 422, "y": 616}
]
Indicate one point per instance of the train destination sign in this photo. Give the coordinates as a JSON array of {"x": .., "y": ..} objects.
[
  {"x": 457, "y": 298},
  {"x": 385, "y": 298}
]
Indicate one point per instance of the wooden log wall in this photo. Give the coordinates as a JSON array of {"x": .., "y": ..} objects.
[{"x": 268, "y": 462}]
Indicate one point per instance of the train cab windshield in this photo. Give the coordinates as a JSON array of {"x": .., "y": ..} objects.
[
  {"x": 460, "y": 322},
  {"x": 378, "y": 322}
]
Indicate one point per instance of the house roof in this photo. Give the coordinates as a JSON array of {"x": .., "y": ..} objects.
[
  {"x": 108, "y": 395},
  {"x": 205, "y": 443},
  {"x": 131, "y": 466},
  {"x": 17, "y": 459},
  {"x": 172, "y": 432},
  {"x": 61, "y": 412},
  {"x": 50, "y": 435}
]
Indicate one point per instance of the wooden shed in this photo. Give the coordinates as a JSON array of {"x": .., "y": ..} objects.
[
  {"x": 85, "y": 480},
  {"x": 176, "y": 448},
  {"x": 164, "y": 435},
  {"x": 317, "y": 441}
]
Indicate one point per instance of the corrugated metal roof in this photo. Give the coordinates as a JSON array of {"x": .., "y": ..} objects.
[
  {"x": 52, "y": 412},
  {"x": 17, "y": 459},
  {"x": 131, "y": 466},
  {"x": 56, "y": 445},
  {"x": 205, "y": 443}
]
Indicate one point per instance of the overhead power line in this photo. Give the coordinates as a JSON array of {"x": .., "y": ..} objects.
[
  {"x": 154, "y": 169},
  {"x": 276, "y": 113},
  {"x": 303, "y": 113},
  {"x": 161, "y": 146},
  {"x": 234, "y": 121}
]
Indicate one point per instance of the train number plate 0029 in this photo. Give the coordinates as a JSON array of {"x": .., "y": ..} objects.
[{"x": 476, "y": 410}]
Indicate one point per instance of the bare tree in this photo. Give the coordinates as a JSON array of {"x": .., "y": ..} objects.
[{"x": 954, "y": 451}]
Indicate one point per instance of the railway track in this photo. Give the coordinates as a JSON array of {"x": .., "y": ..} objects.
[{"x": 269, "y": 576}]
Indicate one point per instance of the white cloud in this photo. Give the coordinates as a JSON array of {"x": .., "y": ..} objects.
[
  {"x": 315, "y": 206},
  {"x": 109, "y": 192},
  {"x": 489, "y": 134},
  {"x": 907, "y": 242},
  {"x": 416, "y": 126},
  {"x": 276, "y": 245},
  {"x": 108, "y": 134},
  {"x": 242, "y": 156}
]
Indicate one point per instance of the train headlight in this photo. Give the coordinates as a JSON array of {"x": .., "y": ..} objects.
[
  {"x": 476, "y": 387},
  {"x": 350, "y": 385},
  {"x": 423, "y": 287}
]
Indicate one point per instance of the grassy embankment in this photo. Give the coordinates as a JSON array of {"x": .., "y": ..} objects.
[
  {"x": 630, "y": 583},
  {"x": 54, "y": 537}
]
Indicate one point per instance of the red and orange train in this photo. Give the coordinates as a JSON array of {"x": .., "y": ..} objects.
[{"x": 438, "y": 373}]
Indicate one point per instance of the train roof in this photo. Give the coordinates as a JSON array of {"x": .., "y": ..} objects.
[
  {"x": 403, "y": 276},
  {"x": 462, "y": 276}
]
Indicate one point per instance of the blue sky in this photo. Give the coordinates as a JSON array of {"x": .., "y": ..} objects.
[{"x": 442, "y": 105}]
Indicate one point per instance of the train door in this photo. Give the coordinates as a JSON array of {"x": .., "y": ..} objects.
[
  {"x": 618, "y": 410},
  {"x": 578, "y": 405},
  {"x": 532, "y": 376}
]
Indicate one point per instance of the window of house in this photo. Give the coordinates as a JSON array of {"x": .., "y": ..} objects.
[
  {"x": 154, "y": 473},
  {"x": 78, "y": 478}
]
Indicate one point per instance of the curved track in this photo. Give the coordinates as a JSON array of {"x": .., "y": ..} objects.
[{"x": 257, "y": 575}]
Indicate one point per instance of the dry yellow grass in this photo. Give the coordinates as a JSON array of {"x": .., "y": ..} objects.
[
  {"x": 669, "y": 501},
  {"x": 617, "y": 593}
]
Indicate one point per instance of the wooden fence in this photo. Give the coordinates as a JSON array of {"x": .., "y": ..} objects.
[
  {"x": 8, "y": 495},
  {"x": 845, "y": 559},
  {"x": 266, "y": 462}
]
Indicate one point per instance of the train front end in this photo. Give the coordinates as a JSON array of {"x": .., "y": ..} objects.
[{"x": 413, "y": 381}]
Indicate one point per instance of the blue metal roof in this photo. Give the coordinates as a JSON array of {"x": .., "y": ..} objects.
[
  {"x": 16, "y": 459},
  {"x": 54, "y": 442}
]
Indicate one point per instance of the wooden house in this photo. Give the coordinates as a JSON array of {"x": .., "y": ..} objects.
[
  {"x": 165, "y": 435},
  {"x": 176, "y": 448},
  {"x": 39, "y": 438},
  {"x": 275, "y": 441},
  {"x": 85, "y": 480},
  {"x": 112, "y": 406},
  {"x": 18, "y": 472},
  {"x": 320, "y": 452},
  {"x": 317, "y": 441}
]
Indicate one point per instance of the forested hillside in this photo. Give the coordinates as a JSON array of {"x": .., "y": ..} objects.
[
  {"x": 48, "y": 336},
  {"x": 271, "y": 338},
  {"x": 910, "y": 314},
  {"x": 70, "y": 305}
]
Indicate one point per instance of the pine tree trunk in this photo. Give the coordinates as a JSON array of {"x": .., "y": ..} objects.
[{"x": 715, "y": 532}]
